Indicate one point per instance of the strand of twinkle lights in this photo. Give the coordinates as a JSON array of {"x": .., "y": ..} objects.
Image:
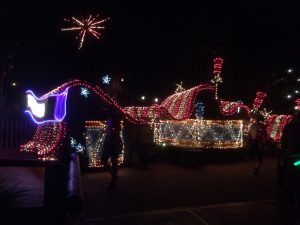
[
  {"x": 228, "y": 108},
  {"x": 99, "y": 93},
  {"x": 297, "y": 101},
  {"x": 89, "y": 25},
  {"x": 218, "y": 62},
  {"x": 95, "y": 137},
  {"x": 46, "y": 140},
  {"x": 200, "y": 133},
  {"x": 180, "y": 105},
  {"x": 276, "y": 124},
  {"x": 260, "y": 96}
]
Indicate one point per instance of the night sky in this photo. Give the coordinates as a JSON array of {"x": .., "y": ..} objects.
[{"x": 152, "y": 44}]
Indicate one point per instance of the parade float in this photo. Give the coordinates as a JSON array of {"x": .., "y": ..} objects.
[{"x": 179, "y": 120}]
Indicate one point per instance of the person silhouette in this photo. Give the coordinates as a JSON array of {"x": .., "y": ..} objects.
[
  {"x": 290, "y": 141},
  {"x": 257, "y": 140},
  {"x": 112, "y": 147},
  {"x": 288, "y": 182}
]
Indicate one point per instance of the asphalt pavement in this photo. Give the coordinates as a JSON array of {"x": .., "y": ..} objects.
[
  {"x": 177, "y": 193},
  {"x": 174, "y": 192}
]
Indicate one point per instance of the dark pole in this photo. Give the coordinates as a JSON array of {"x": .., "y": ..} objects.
[{"x": 2, "y": 74}]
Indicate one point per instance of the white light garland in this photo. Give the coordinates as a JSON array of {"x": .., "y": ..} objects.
[
  {"x": 95, "y": 137},
  {"x": 194, "y": 133}
]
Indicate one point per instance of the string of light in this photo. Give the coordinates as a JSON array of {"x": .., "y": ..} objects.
[
  {"x": 46, "y": 140},
  {"x": 95, "y": 137},
  {"x": 194, "y": 133}
]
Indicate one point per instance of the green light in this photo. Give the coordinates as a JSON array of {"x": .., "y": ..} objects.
[{"x": 297, "y": 163}]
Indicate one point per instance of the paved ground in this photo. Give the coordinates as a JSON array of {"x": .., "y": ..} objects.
[
  {"x": 248, "y": 213},
  {"x": 176, "y": 193},
  {"x": 172, "y": 193},
  {"x": 28, "y": 183},
  {"x": 167, "y": 185}
]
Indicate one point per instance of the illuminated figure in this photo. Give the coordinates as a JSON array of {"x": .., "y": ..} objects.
[{"x": 199, "y": 107}]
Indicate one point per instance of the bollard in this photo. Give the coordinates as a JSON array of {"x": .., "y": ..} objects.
[{"x": 74, "y": 195}]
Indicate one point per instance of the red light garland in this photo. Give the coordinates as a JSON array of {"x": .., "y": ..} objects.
[
  {"x": 275, "y": 125},
  {"x": 228, "y": 108},
  {"x": 101, "y": 94},
  {"x": 260, "y": 96},
  {"x": 218, "y": 62},
  {"x": 297, "y": 101},
  {"x": 46, "y": 140},
  {"x": 180, "y": 105}
]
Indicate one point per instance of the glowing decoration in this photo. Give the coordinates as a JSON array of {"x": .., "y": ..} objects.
[
  {"x": 180, "y": 105},
  {"x": 239, "y": 106},
  {"x": 106, "y": 79},
  {"x": 218, "y": 62},
  {"x": 84, "y": 92},
  {"x": 94, "y": 140},
  {"x": 156, "y": 100},
  {"x": 290, "y": 70},
  {"x": 297, "y": 101},
  {"x": 46, "y": 140},
  {"x": 95, "y": 136},
  {"x": 260, "y": 96},
  {"x": 275, "y": 125},
  {"x": 289, "y": 96},
  {"x": 297, "y": 163},
  {"x": 77, "y": 146},
  {"x": 37, "y": 109},
  {"x": 89, "y": 25},
  {"x": 99, "y": 93},
  {"x": 265, "y": 113},
  {"x": 177, "y": 106},
  {"x": 179, "y": 88},
  {"x": 147, "y": 113},
  {"x": 228, "y": 108},
  {"x": 200, "y": 133},
  {"x": 73, "y": 142},
  {"x": 143, "y": 98},
  {"x": 199, "y": 108},
  {"x": 49, "y": 108},
  {"x": 49, "y": 134}
]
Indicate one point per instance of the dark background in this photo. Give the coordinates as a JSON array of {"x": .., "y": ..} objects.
[{"x": 155, "y": 44}]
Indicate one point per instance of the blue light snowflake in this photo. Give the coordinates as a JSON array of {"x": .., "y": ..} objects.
[
  {"x": 84, "y": 92},
  {"x": 106, "y": 79}
]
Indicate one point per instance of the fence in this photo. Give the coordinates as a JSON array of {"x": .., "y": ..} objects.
[{"x": 14, "y": 133}]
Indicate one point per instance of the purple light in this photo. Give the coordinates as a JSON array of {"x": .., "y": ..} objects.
[
  {"x": 60, "y": 106},
  {"x": 58, "y": 113}
]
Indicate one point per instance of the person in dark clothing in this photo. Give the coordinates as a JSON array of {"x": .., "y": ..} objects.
[
  {"x": 288, "y": 176},
  {"x": 290, "y": 140},
  {"x": 257, "y": 140},
  {"x": 112, "y": 147}
]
